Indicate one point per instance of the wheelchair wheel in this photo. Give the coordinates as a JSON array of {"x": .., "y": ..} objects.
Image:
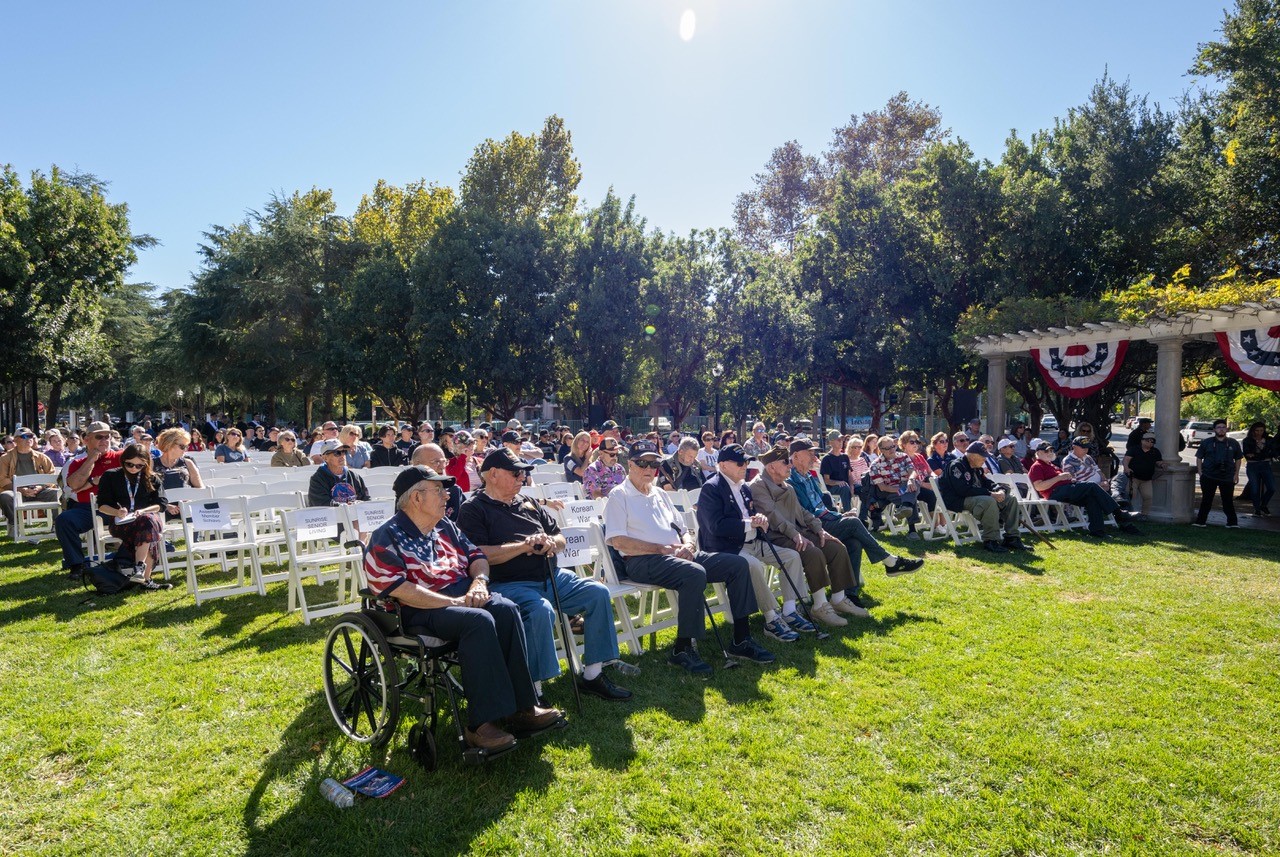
[
  {"x": 361, "y": 681},
  {"x": 422, "y": 746}
]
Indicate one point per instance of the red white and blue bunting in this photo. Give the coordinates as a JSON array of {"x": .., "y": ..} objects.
[
  {"x": 1075, "y": 371},
  {"x": 1253, "y": 354}
]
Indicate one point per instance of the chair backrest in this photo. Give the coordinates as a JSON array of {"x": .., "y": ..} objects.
[
  {"x": 549, "y": 468},
  {"x": 1026, "y": 490},
  {"x": 368, "y": 516},
  {"x": 314, "y": 524},
  {"x": 221, "y": 481},
  {"x": 562, "y": 491},
  {"x": 605, "y": 568},
  {"x": 534, "y": 492},
  {"x": 577, "y": 553},
  {"x": 44, "y": 480},
  {"x": 220, "y": 516},
  {"x": 281, "y": 501},
  {"x": 177, "y": 495},
  {"x": 547, "y": 477},
  {"x": 579, "y": 513}
]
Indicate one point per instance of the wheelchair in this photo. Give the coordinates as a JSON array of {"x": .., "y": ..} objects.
[{"x": 370, "y": 663}]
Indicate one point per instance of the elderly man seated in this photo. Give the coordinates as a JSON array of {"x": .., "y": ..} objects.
[
  {"x": 965, "y": 487},
  {"x": 334, "y": 483},
  {"x": 441, "y": 581},
  {"x": 1061, "y": 486},
  {"x": 644, "y": 527},
  {"x": 728, "y": 521},
  {"x": 520, "y": 540}
]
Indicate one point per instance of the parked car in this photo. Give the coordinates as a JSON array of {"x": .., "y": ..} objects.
[
  {"x": 1049, "y": 421},
  {"x": 1194, "y": 432}
]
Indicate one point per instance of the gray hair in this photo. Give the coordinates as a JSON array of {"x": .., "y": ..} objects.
[{"x": 689, "y": 443}]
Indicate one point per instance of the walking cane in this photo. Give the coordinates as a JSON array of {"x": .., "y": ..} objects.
[
  {"x": 568, "y": 635},
  {"x": 782, "y": 572}
]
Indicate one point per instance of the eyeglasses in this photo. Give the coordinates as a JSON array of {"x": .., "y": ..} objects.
[
  {"x": 181, "y": 445},
  {"x": 102, "y": 437},
  {"x": 646, "y": 465},
  {"x": 913, "y": 441},
  {"x": 134, "y": 465}
]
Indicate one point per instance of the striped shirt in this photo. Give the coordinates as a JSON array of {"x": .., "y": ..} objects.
[{"x": 400, "y": 552}]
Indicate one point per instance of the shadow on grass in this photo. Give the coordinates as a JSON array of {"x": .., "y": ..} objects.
[{"x": 440, "y": 812}]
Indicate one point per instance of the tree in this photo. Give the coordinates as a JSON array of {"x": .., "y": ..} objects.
[
  {"x": 687, "y": 279},
  {"x": 1245, "y": 144},
  {"x": 524, "y": 176},
  {"x": 601, "y": 330},
  {"x": 63, "y": 251},
  {"x": 783, "y": 204},
  {"x": 886, "y": 142},
  {"x": 401, "y": 218}
]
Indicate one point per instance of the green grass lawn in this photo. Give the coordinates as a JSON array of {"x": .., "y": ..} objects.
[{"x": 1119, "y": 697}]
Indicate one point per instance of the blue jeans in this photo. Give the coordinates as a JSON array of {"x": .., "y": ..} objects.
[
  {"x": 1262, "y": 482},
  {"x": 538, "y": 613},
  {"x": 70, "y": 525}
]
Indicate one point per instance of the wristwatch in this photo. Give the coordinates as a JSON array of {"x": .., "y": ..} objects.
[{"x": 483, "y": 577}]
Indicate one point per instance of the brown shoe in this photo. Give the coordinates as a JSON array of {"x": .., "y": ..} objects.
[
  {"x": 489, "y": 737},
  {"x": 534, "y": 719}
]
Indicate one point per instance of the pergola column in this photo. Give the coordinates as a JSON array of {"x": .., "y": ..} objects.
[
  {"x": 997, "y": 375},
  {"x": 1174, "y": 490}
]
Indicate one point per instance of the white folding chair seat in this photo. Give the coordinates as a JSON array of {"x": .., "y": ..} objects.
[
  {"x": 315, "y": 540},
  {"x": 218, "y": 534},
  {"x": 33, "y": 519}
]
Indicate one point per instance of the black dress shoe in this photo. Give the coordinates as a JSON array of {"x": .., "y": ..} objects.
[
  {"x": 995, "y": 547},
  {"x": 1014, "y": 543},
  {"x": 602, "y": 687}
]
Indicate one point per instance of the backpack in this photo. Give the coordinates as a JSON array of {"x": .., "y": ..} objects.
[{"x": 105, "y": 579}]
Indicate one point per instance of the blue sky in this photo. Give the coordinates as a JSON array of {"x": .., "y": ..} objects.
[{"x": 197, "y": 113}]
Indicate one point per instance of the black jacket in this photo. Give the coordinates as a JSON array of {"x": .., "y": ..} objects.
[
  {"x": 112, "y": 491},
  {"x": 720, "y": 527},
  {"x": 959, "y": 481},
  {"x": 320, "y": 492},
  {"x": 383, "y": 457}
]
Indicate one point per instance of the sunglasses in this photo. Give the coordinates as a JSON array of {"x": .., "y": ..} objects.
[
  {"x": 913, "y": 441},
  {"x": 102, "y": 437},
  {"x": 647, "y": 465},
  {"x": 182, "y": 445},
  {"x": 134, "y": 465}
]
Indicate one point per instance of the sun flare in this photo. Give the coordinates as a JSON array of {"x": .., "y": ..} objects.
[{"x": 688, "y": 23}]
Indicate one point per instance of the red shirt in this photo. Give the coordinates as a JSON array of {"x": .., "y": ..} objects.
[
  {"x": 105, "y": 462},
  {"x": 1044, "y": 470}
]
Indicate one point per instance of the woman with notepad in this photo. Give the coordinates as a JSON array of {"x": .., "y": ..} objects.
[{"x": 130, "y": 503}]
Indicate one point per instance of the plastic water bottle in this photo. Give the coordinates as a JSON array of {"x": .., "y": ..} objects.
[
  {"x": 337, "y": 794},
  {"x": 624, "y": 667}
]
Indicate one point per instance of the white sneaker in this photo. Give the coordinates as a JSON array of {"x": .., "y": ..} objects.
[
  {"x": 826, "y": 614},
  {"x": 849, "y": 608}
]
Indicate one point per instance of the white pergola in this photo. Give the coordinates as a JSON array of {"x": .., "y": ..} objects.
[{"x": 1175, "y": 491}]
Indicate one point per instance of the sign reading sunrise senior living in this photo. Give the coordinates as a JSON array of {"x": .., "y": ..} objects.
[
  {"x": 371, "y": 515},
  {"x": 320, "y": 523},
  {"x": 1075, "y": 371},
  {"x": 1253, "y": 354},
  {"x": 577, "y": 548}
]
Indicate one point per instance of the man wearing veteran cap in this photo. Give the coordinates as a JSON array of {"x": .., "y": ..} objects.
[
  {"x": 643, "y": 526},
  {"x": 83, "y": 474},
  {"x": 728, "y": 521},
  {"x": 520, "y": 541},
  {"x": 441, "y": 581},
  {"x": 1006, "y": 458},
  {"x": 965, "y": 487},
  {"x": 1055, "y": 484},
  {"x": 825, "y": 558},
  {"x": 851, "y": 532},
  {"x": 333, "y": 483}
]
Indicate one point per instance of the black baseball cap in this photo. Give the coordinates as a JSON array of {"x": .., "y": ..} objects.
[
  {"x": 643, "y": 449},
  {"x": 505, "y": 459},
  {"x": 976, "y": 448},
  {"x": 801, "y": 446},
  {"x": 733, "y": 453},
  {"x": 511, "y": 437},
  {"x": 411, "y": 476},
  {"x": 1080, "y": 441},
  {"x": 609, "y": 425}
]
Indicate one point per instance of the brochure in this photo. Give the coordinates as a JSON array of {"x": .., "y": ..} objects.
[{"x": 372, "y": 782}]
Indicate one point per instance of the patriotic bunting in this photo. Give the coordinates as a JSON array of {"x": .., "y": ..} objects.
[
  {"x": 1075, "y": 371},
  {"x": 1253, "y": 354}
]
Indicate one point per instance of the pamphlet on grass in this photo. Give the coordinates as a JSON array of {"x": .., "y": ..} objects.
[{"x": 372, "y": 782}]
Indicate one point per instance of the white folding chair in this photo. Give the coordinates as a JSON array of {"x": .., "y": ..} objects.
[
  {"x": 549, "y": 468},
  {"x": 316, "y": 539},
  {"x": 33, "y": 519},
  {"x": 172, "y": 532},
  {"x": 265, "y": 518},
  {"x": 656, "y": 607},
  {"x": 547, "y": 477},
  {"x": 217, "y": 534},
  {"x": 99, "y": 537},
  {"x": 961, "y": 526}
]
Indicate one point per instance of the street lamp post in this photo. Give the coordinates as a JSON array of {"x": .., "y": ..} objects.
[{"x": 716, "y": 371}]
